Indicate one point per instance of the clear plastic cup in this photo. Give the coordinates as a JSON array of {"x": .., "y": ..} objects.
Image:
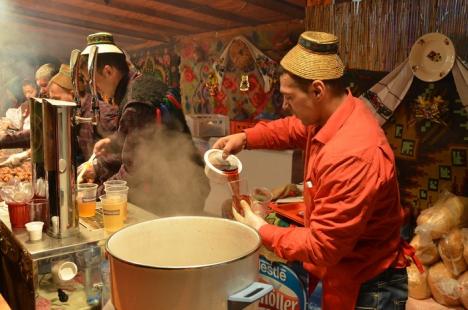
[
  {"x": 112, "y": 210},
  {"x": 38, "y": 210},
  {"x": 114, "y": 183},
  {"x": 240, "y": 191},
  {"x": 122, "y": 192},
  {"x": 261, "y": 198},
  {"x": 86, "y": 199}
]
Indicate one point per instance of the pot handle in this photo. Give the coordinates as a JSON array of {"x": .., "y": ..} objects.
[{"x": 248, "y": 295}]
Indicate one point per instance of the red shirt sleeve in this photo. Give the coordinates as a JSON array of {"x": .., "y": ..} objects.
[
  {"x": 285, "y": 133},
  {"x": 342, "y": 202}
]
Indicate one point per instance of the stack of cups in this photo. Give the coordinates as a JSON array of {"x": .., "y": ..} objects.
[{"x": 114, "y": 204}]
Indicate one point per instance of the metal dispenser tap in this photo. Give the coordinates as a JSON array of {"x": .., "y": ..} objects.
[
  {"x": 75, "y": 63},
  {"x": 60, "y": 167}
]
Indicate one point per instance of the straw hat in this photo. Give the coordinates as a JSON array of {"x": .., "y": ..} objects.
[
  {"x": 104, "y": 41},
  {"x": 315, "y": 57},
  {"x": 63, "y": 78}
]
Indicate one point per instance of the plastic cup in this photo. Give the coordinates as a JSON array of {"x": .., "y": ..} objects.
[
  {"x": 261, "y": 198},
  {"x": 122, "y": 192},
  {"x": 86, "y": 199},
  {"x": 35, "y": 230},
  {"x": 38, "y": 210},
  {"x": 19, "y": 214},
  {"x": 114, "y": 183},
  {"x": 240, "y": 191},
  {"x": 112, "y": 210}
]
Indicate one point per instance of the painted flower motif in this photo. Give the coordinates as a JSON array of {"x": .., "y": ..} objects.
[
  {"x": 259, "y": 101},
  {"x": 220, "y": 96},
  {"x": 228, "y": 83},
  {"x": 189, "y": 76},
  {"x": 253, "y": 81},
  {"x": 220, "y": 108},
  {"x": 205, "y": 68},
  {"x": 188, "y": 51}
]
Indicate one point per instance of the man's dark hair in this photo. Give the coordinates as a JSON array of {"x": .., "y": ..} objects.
[
  {"x": 115, "y": 60},
  {"x": 28, "y": 82},
  {"x": 336, "y": 86}
]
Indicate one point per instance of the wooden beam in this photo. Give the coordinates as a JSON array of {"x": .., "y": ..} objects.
[
  {"x": 148, "y": 23},
  {"x": 280, "y": 6},
  {"x": 65, "y": 30},
  {"x": 87, "y": 24},
  {"x": 210, "y": 11},
  {"x": 152, "y": 13}
]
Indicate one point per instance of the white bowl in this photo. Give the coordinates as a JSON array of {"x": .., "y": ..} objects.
[
  {"x": 35, "y": 230},
  {"x": 214, "y": 173}
]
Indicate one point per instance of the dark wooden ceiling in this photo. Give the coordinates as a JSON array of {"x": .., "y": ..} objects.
[{"x": 61, "y": 25}]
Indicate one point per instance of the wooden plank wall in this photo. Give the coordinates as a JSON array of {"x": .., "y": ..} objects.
[{"x": 380, "y": 36}]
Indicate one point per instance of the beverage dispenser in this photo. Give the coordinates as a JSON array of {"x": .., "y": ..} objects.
[{"x": 60, "y": 166}]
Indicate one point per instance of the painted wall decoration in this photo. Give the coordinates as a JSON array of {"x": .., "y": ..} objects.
[
  {"x": 242, "y": 94},
  {"x": 160, "y": 61},
  {"x": 428, "y": 133}
]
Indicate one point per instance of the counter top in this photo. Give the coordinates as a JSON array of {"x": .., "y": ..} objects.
[{"x": 48, "y": 246}]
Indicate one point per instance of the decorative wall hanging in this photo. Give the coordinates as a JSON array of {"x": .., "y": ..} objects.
[
  {"x": 242, "y": 55},
  {"x": 432, "y": 57},
  {"x": 384, "y": 97}
]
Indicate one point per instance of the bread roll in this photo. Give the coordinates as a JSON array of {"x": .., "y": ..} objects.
[
  {"x": 426, "y": 250},
  {"x": 418, "y": 288},
  {"x": 444, "y": 288},
  {"x": 463, "y": 282},
  {"x": 451, "y": 251},
  {"x": 465, "y": 244},
  {"x": 447, "y": 213}
]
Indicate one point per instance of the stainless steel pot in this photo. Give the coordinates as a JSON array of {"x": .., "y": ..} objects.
[{"x": 185, "y": 262}]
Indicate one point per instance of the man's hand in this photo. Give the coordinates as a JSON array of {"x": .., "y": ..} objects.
[
  {"x": 249, "y": 218},
  {"x": 89, "y": 175},
  {"x": 101, "y": 147},
  {"x": 232, "y": 144}
]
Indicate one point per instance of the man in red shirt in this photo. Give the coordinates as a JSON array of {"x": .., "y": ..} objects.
[{"x": 351, "y": 239}]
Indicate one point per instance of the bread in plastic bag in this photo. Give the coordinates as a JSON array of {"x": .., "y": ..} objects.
[
  {"x": 465, "y": 244},
  {"x": 444, "y": 288},
  {"x": 451, "y": 252},
  {"x": 426, "y": 249},
  {"x": 463, "y": 282},
  {"x": 447, "y": 213},
  {"x": 418, "y": 288}
]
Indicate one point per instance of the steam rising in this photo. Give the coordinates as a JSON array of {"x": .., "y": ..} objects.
[
  {"x": 167, "y": 176},
  {"x": 22, "y": 51}
]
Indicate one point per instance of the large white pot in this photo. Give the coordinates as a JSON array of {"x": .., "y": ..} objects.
[{"x": 185, "y": 262}]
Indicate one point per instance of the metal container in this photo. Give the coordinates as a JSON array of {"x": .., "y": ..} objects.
[
  {"x": 185, "y": 262},
  {"x": 60, "y": 166}
]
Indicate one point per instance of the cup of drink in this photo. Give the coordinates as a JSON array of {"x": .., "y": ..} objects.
[
  {"x": 119, "y": 191},
  {"x": 86, "y": 199},
  {"x": 19, "y": 213},
  {"x": 112, "y": 210},
  {"x": 261, "y": 198},
  {"x": 114, "y": 183},
  {"x": 38, "y": 210},
  {"x": 240, "y": 191}
]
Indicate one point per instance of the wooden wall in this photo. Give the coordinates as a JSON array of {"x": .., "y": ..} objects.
[{"x": 380, "y": 36}]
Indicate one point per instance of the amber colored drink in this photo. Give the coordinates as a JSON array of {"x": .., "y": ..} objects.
[
  {"x": 86, "y": 209},
  {"x": 113, "y": 213}
]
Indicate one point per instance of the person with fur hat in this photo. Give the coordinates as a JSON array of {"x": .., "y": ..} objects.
[
  {"x": 351, "y": 239},
  {"x": 152, "y": 148},
  {"x": 43, "y": 75}
]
